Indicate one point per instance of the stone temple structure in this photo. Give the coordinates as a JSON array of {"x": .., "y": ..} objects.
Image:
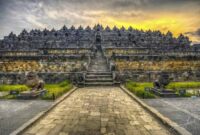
[{"x": 98, "y": 55}]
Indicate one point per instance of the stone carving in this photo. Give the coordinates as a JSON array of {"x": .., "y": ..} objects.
[
  {"x": 162, "y": 81},
  {"x": 160, "y": 86},
  {"x": 185, "y": 76},
  {"x": 142, "y": 78},
  {"x": 36, "y": 86},
  {"x": 34, "y": 82}
]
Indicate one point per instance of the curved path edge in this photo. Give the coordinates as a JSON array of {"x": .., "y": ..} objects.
[
  {"x": 166, "y": 121},
  {"x": 29, "y": 123}
]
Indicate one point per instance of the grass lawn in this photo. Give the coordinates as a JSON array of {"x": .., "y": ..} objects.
[
  {"x": 55, "y": 90},
  {"x": 184, "y": 85},
  {"x": 13, "y": 87},
  {"x": 138, "y": 88}
]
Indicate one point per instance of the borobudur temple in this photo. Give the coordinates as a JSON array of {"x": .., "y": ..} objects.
[{"x": 97, "y": 55}]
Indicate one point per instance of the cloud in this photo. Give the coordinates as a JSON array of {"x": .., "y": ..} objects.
[
  {"x": 33, "y": 20},
  {"x": 16, "y": 15},
  {"x": 194, "y": 33}
]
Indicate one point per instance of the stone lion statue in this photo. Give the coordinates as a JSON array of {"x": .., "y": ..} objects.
[{"x": 34, "y": 82}]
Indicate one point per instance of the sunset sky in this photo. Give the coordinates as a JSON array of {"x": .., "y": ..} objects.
[{"x": 178, "y": 16}]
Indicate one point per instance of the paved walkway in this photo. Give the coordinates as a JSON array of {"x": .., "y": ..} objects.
[
  {"x": 183, "y": 111},
  {"x": 95, "y": 111},
  {"x": 14, "y": 113}
]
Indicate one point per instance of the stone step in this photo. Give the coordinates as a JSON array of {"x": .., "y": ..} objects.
[
  {"x": 98, "y": 84},
  {"x": 98, "y": 65},
  {"x": 98, "y": 61},
  {"x": 99, "y": 80},
  {"x": 98, "y": 69},
  {"x": 99, "y": 73},
  {"x": 98, "y": 76}
]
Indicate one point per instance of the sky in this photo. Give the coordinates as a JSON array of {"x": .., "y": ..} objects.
[{"x": 177, "y": 16}]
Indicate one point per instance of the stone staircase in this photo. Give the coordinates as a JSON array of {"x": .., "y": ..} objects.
[
  {"x": 98, "y": 73},
  {"x": 98, "y": 78}
]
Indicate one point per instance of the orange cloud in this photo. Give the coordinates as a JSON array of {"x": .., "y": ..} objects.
[{"x": 176, "y": 23}]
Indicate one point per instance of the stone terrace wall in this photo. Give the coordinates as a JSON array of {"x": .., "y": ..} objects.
[
  {"x": 162, "y": 65},
  {"x": 41, "y": 66},
  {"x": 150, "y": 76},
  {"x": 51, "y": 70},
  {"x": 147, "y": 68},
  {"x": 19, "y": 78}
]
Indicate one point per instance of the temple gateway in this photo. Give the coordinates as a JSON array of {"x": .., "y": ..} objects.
[{"x": 97, "y": 56}]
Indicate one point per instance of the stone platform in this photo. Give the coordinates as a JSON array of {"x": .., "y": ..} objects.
[{"x": 95, "y": 111}]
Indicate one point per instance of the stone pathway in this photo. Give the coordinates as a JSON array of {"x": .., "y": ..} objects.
[{"x": 95, "y": 111}]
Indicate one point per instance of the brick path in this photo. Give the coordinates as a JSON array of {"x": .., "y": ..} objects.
[{"x": 95, "y": 111}]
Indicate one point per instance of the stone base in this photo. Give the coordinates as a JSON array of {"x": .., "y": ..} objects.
[
  {"x": 31, "y": 94},
  {"x": 2, "y": 94},
  {"x": 164, "y": 93}
]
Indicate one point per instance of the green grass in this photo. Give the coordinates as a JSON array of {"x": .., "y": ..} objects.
[
  {"x": 13, "y": 87},
  {"x": 138, "y": 89},
  {"x": 183, "y": 85},
  {"x": 55, "y": 90}
]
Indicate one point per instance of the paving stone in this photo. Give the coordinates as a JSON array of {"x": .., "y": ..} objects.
[
  {"x": 110, "y": 134},
  {"x": 104, "y": 119},
  {"x": 63, "y": 133},
  {"x": 43, "y": 131},
  {"x": 148, "y": 127},
  {"x": 120, "y": 132},
  {"x": 104, "y": 124},
  {"x": 134, "y": 123},
  {"x": 95, "y": 113},
  {"x": 56, "y": 130},
  {"x": 85, "y": 111},
  {"x": 103, "y": 130}
]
